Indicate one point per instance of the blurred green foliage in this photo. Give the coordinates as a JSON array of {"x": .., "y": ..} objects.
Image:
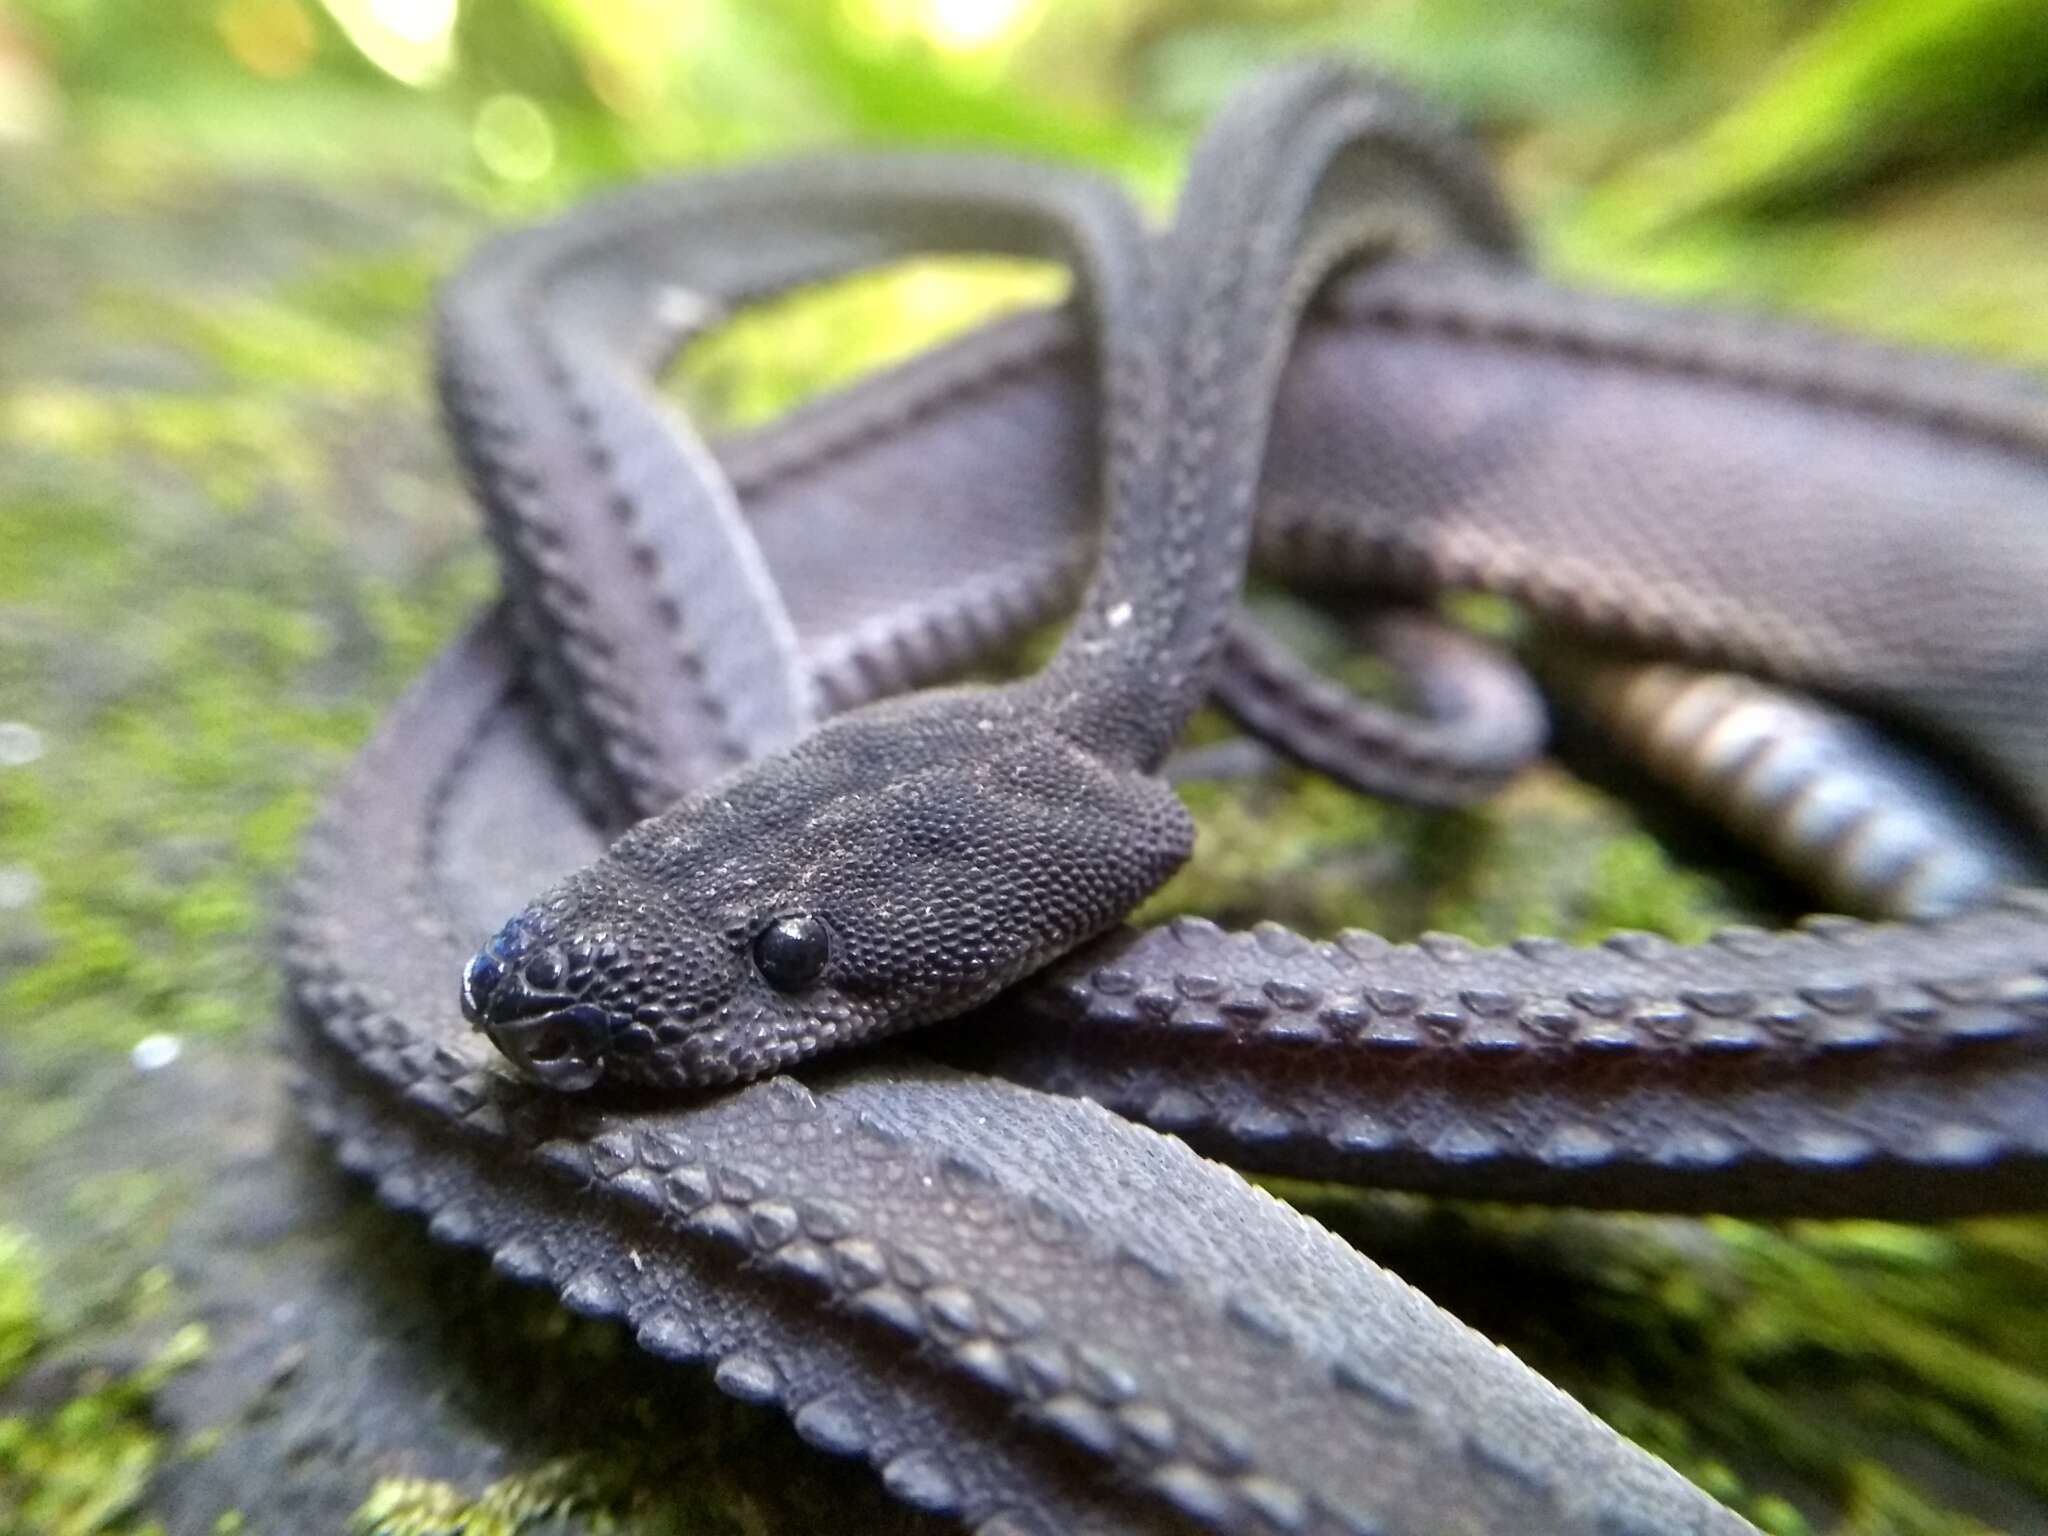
[{"x": 1790, "y": 146}]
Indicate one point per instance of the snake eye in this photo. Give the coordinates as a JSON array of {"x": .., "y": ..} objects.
[{"x": 791, "y": 951}]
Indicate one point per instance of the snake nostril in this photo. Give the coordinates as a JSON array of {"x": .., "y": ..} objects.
[{"x": 544, "y": 970}]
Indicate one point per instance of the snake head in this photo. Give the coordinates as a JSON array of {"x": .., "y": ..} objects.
[
  {"x": 597, "y": 977},
  {"x": 900, "y": 865}
]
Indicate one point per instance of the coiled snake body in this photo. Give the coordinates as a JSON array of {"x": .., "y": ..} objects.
[{"x": 905, "y": 1254}]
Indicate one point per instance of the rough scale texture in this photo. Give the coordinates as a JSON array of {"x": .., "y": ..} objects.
[
  {"x": 1685, "y": 481},
  {"x": 893, "y": 587},
  {"x": 880, "y": 853},
  {"x": 1026, "y": 1313},
  {"x": 909, "y": 860},
  {"x": 1841, "y": 1068}
]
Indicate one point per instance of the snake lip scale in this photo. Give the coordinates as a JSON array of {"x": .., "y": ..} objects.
[{"x": 1028, "y": 1313}]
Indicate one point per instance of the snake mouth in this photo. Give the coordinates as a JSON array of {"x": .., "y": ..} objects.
[{"x": 561, "y": 1048}]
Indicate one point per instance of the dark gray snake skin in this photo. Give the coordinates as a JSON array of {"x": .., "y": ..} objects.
[
  {"x": 1032, "y": 1315},
  {"x": 907, "y": 860}
]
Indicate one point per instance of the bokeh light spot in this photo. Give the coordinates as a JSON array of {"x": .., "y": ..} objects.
[
  {"x": 959, "y": 27},
  {"x": 964, "y": 26},
  {"x": 29, "y": 103},
  {"x": 272, "y": 38},
  {"x": 410, "y": 40},
  {"x": 513, "y": 138}
]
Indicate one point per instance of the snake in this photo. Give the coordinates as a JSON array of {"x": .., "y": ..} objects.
[
  {"x": 1043, "y": 1316},
  {"x": 906, "y": 861}
]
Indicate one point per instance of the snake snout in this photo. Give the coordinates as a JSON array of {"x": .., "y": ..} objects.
[
  {"x": 515, "y": 975},
  {"x": 523, "y": 995}
]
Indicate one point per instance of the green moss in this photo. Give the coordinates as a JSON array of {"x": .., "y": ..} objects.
[
  {"x": 272, "y": 343},
  {"x": 231, "y": 446},
  {"x": 82, "y": 1469},
  {"x": 421, "y": 1507},
  {"x": 184, "y": 726},
  {"x": 1761, "y": 1360},
  {"x": 1549, "y": 856},
  {"x": 54, "y": 541},
  {"x": 1637, "y": 884},
  {"x": 766, "y": 361},
  {"x": 21, "y": 1309},
  {"x": 382, "y": 294}
]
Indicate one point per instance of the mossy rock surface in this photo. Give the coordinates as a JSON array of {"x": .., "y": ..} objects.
[{"x": 234, "y": 535}]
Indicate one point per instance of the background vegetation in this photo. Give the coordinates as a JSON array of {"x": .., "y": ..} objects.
[{"x": 228, "y": 536}]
